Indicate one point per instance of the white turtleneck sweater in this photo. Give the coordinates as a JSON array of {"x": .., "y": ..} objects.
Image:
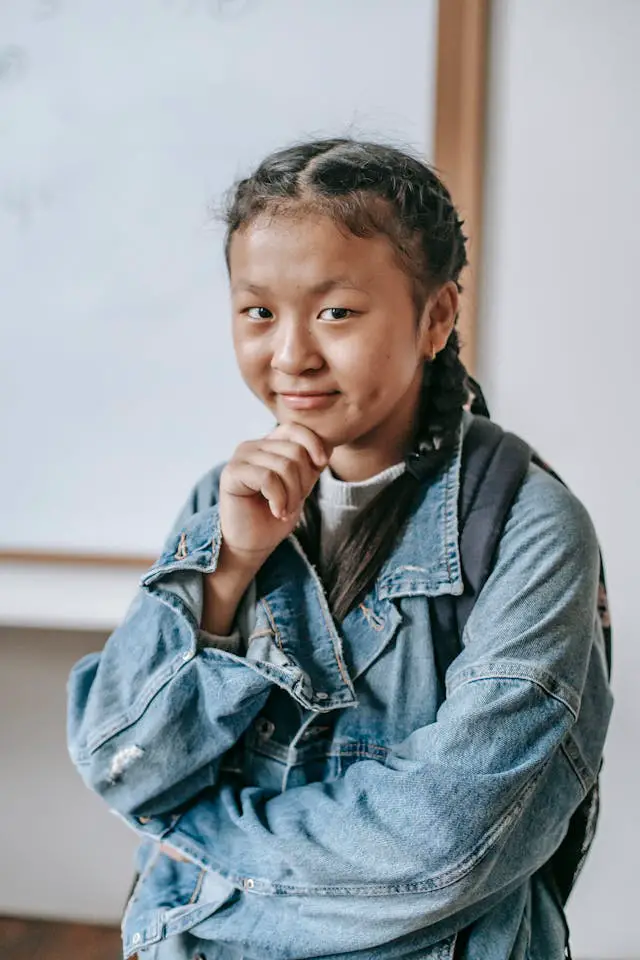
[{"x": 340, "y": 502}]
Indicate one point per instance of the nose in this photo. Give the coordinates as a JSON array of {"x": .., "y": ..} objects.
[{"x": 295, "y": 349}]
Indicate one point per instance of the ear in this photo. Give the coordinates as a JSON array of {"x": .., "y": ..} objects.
[{"x": 439, "y": 317}]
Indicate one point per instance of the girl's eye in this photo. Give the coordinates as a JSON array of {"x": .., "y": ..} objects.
[
  {"x": 259, "y": 313},
  {"x": 336, "y": 313}
]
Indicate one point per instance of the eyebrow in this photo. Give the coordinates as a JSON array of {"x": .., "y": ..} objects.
[{"x": 245, "y": 286}]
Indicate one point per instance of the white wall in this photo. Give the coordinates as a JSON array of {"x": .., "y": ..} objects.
[
  {"x": 560, "y": 341},
  {"x": 62, "y": 853}
]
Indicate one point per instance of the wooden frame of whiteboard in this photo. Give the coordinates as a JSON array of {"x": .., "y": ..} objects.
[
  {"x": 462, "y": 41},
  {"x": 463, "y": 34}
]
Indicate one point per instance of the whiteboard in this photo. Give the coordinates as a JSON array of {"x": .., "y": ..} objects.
[{"x": 120, "y": 124}]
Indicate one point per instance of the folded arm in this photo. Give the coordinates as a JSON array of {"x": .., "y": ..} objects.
[
  {"x": 464, "y": 808},
  {"x": 151, "y": 715}
]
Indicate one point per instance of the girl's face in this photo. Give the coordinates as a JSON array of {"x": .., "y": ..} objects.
[{"x": 326, "y": 335}]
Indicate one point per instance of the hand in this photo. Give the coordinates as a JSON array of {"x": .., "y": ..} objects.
[{"x": 263, "y": 489}]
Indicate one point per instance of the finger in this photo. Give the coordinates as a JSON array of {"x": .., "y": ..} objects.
[
  {"x": 307, "y": 468},
  {"x": 273, "y": 489},
  {"x": 317, "y": 449},
  {"x": 292, "y": 473},
  {"x": 246, "y": 479}
]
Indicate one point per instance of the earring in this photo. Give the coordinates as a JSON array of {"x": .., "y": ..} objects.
[{"x": 434, "y": 352}]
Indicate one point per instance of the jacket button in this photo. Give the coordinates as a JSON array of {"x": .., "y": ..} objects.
[
  {"x": 249, "y": 884},
  {"x": 265, "y": 728}
]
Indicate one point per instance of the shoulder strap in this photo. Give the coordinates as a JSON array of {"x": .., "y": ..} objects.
[{"x": 494, "y": 464}]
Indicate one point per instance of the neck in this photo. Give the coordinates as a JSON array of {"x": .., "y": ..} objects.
[
  {"x": 370, "y": 455},
  {"x": 387, "y": 444},
  {"x": 354, "y": 467}
]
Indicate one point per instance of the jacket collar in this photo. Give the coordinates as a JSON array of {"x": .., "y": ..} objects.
[{"x": 426, "y": 559}]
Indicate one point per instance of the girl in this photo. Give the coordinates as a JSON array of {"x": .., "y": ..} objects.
[{"x": 270, "y": 717}]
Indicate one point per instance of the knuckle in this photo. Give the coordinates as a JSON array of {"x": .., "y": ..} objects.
[
  {"x": 273, "y": 480},
  {"x": 302, "y": 454},
  {"x": 290, "y": 470}
]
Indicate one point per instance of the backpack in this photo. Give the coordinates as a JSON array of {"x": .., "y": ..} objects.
[{"x": 494, "y": 465}]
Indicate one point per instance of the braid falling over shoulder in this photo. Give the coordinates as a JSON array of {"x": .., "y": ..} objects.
[
  {"x": 444, "y": 394},
  {"x": 358, "y": 560}
]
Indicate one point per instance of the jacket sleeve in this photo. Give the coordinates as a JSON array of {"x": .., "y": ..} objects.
[
  {"x": 150, "y": 717},
  {"x": 465, "y": 808}
]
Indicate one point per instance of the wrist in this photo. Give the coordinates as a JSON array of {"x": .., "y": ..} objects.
[
  {"x": 224, "y": 589},
  {"x": 237, "y": 565}
]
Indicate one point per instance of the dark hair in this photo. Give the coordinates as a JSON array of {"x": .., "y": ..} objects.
[{"x": 374, "y": 189}]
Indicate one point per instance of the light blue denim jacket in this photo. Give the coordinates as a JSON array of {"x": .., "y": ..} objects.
[{"x": 328, "y": 796}]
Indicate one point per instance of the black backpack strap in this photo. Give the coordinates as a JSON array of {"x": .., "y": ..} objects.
[{"x": 494, "y": 464}]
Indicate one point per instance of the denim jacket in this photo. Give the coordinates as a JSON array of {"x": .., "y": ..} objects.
[{"x": 328, "y": 794}]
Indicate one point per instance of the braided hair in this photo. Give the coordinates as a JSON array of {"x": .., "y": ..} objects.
[{"x": 374, "y": 189}]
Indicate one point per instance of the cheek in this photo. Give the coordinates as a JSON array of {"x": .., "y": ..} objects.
[
  {"x": 253, "y": 361},
  {"x": 380, "y": 373}
]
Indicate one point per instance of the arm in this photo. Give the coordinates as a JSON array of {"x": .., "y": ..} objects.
[
  {"x": 150, "y": 717},
  {"x": 464, "y": 809}
]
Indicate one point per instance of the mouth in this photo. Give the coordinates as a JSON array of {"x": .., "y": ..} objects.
[{"x": 308, "y": 401}]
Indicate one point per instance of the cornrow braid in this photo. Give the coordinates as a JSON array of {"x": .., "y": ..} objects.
[
  {"x": 375, "y": 189},
  {"x": 444, "y": 393}
]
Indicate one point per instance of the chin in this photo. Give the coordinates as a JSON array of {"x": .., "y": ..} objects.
[{"x": 318, "y": 421}]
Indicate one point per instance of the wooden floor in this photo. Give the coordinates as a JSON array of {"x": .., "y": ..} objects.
[{"x": 42, "y": 940}]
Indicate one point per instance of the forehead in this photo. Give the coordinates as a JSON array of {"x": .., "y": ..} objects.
[{"x": 307, "y": 250}]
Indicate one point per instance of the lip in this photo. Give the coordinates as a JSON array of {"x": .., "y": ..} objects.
[{"x": 308, "y": 401}]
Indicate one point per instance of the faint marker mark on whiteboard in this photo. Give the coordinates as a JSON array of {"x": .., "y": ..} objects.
[
  {"x": 22, "y": 202},
  {"x": 45, "y": 9},
  {"x": 219, "y": 9},
  {"x": 230, "y": 8},
  {"x": 13, "y": 63}
]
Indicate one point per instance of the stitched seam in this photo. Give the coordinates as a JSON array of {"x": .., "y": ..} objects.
[
  {"x": 574, "y": 768},
  {"x": 326, "y": 616},
  {"x": 376, "y": 623},
  {"x": 198, "y": 886},
  {"x": 136, "y": 890},
  {"x": 519, "y": 672},
  {"x": 579, "y": 770},
  {"x": 281, "y": 754},
  {"x": 274, "y": 629},
  {"x": 452, "y": 487}
]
